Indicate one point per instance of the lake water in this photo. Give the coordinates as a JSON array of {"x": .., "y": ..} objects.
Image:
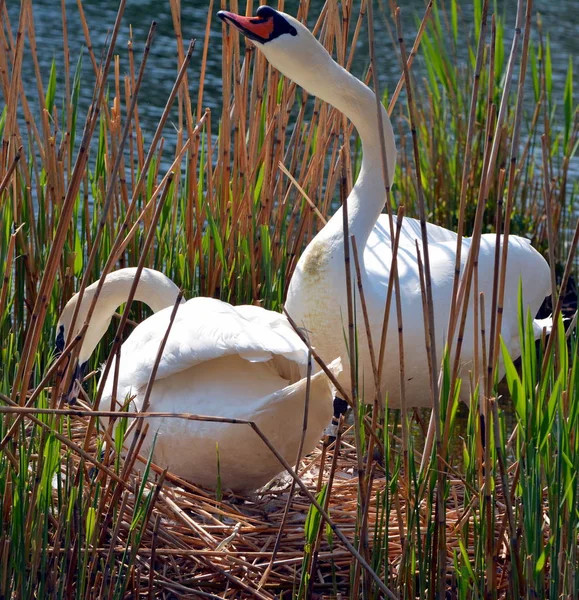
[{"x": 560, "y": 18}]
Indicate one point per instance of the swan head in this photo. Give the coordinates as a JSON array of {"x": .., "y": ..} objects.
[
  {"x": 95, "y": 331},
  {"x": 287, "y": 44}
]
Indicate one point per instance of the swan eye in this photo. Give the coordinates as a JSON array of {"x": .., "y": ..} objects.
[{"x": 60, "y": 340}]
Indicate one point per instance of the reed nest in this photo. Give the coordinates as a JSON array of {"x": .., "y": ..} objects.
[{"x": 199, "y": 543}]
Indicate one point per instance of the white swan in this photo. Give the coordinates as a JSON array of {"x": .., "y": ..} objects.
[
  {"x": 317, "y": 298},
  {"x": 241, "y": 362}
]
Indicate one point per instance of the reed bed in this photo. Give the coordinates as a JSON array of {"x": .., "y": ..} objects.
[{"x": 224, "y": 204}]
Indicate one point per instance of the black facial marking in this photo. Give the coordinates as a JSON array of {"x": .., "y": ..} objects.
[
  {"x": 340, "y": 407},
  {"x": 76, "y": 382},
  {"x": 60, "y": 340},
  {"x": 265, "y": 11},
  {"x": 83, "y": 370}
]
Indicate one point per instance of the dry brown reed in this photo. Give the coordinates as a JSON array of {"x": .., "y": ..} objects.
[{"x": 228, "y": 215}]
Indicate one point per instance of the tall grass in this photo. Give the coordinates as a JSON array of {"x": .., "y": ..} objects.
[{"x": 492, "y": 513}]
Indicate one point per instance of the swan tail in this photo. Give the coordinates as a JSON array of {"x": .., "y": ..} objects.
[
  {"x": 540, "y": 325},
  {"x": 319, "y": 383}
]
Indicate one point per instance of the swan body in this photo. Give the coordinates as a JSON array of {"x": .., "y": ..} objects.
[
  {"x": 326, "y": 318},
  {"x": 241, "y": 362},
  {"x": 317, "y": 298}
]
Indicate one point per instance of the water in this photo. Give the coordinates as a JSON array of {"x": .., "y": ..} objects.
[{"x": 560, "y": 19}]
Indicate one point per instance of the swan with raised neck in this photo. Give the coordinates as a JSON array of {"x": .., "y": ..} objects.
[{"x": 317, "y": 297}]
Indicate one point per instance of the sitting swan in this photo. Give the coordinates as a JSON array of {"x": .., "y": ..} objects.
[
  {"x": 241, "y": 362},
  {"x": 317, "y": 297}
]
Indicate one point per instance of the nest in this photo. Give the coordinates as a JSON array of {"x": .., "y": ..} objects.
[{"x": 199, "y": 543}]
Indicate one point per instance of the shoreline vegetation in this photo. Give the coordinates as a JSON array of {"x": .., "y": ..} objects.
[{"x": 492, "y": 512}]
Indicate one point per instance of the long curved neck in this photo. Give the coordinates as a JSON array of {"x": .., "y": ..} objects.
[
  {"x": 349, "y": 95},
  {"x": 153, "y": 289}
]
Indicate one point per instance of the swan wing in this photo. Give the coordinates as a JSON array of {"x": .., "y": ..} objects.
[
  {"x": 271, "y": 319},
  {"x": 238, "y": 445},
  {"x": 205, "y": 329},
  {"x": 409, "y": 233},
  {"x": 378, "y": 252},
  {"x": 442, "y": 251}
]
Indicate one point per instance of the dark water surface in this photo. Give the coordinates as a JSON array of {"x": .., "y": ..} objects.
[{"x": 560, "y": 19}]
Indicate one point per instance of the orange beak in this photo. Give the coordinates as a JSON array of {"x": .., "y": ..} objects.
[{"x": 255, "y": 28}]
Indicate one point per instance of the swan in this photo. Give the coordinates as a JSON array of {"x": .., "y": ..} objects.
[
  {"x": 240, "y": 362},
  {"x": 317, "y": 297}
]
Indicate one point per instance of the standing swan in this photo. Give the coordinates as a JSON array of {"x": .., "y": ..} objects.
[
  {"x": 317, "y": 298},
  {"x": 241, "y": 362}
]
